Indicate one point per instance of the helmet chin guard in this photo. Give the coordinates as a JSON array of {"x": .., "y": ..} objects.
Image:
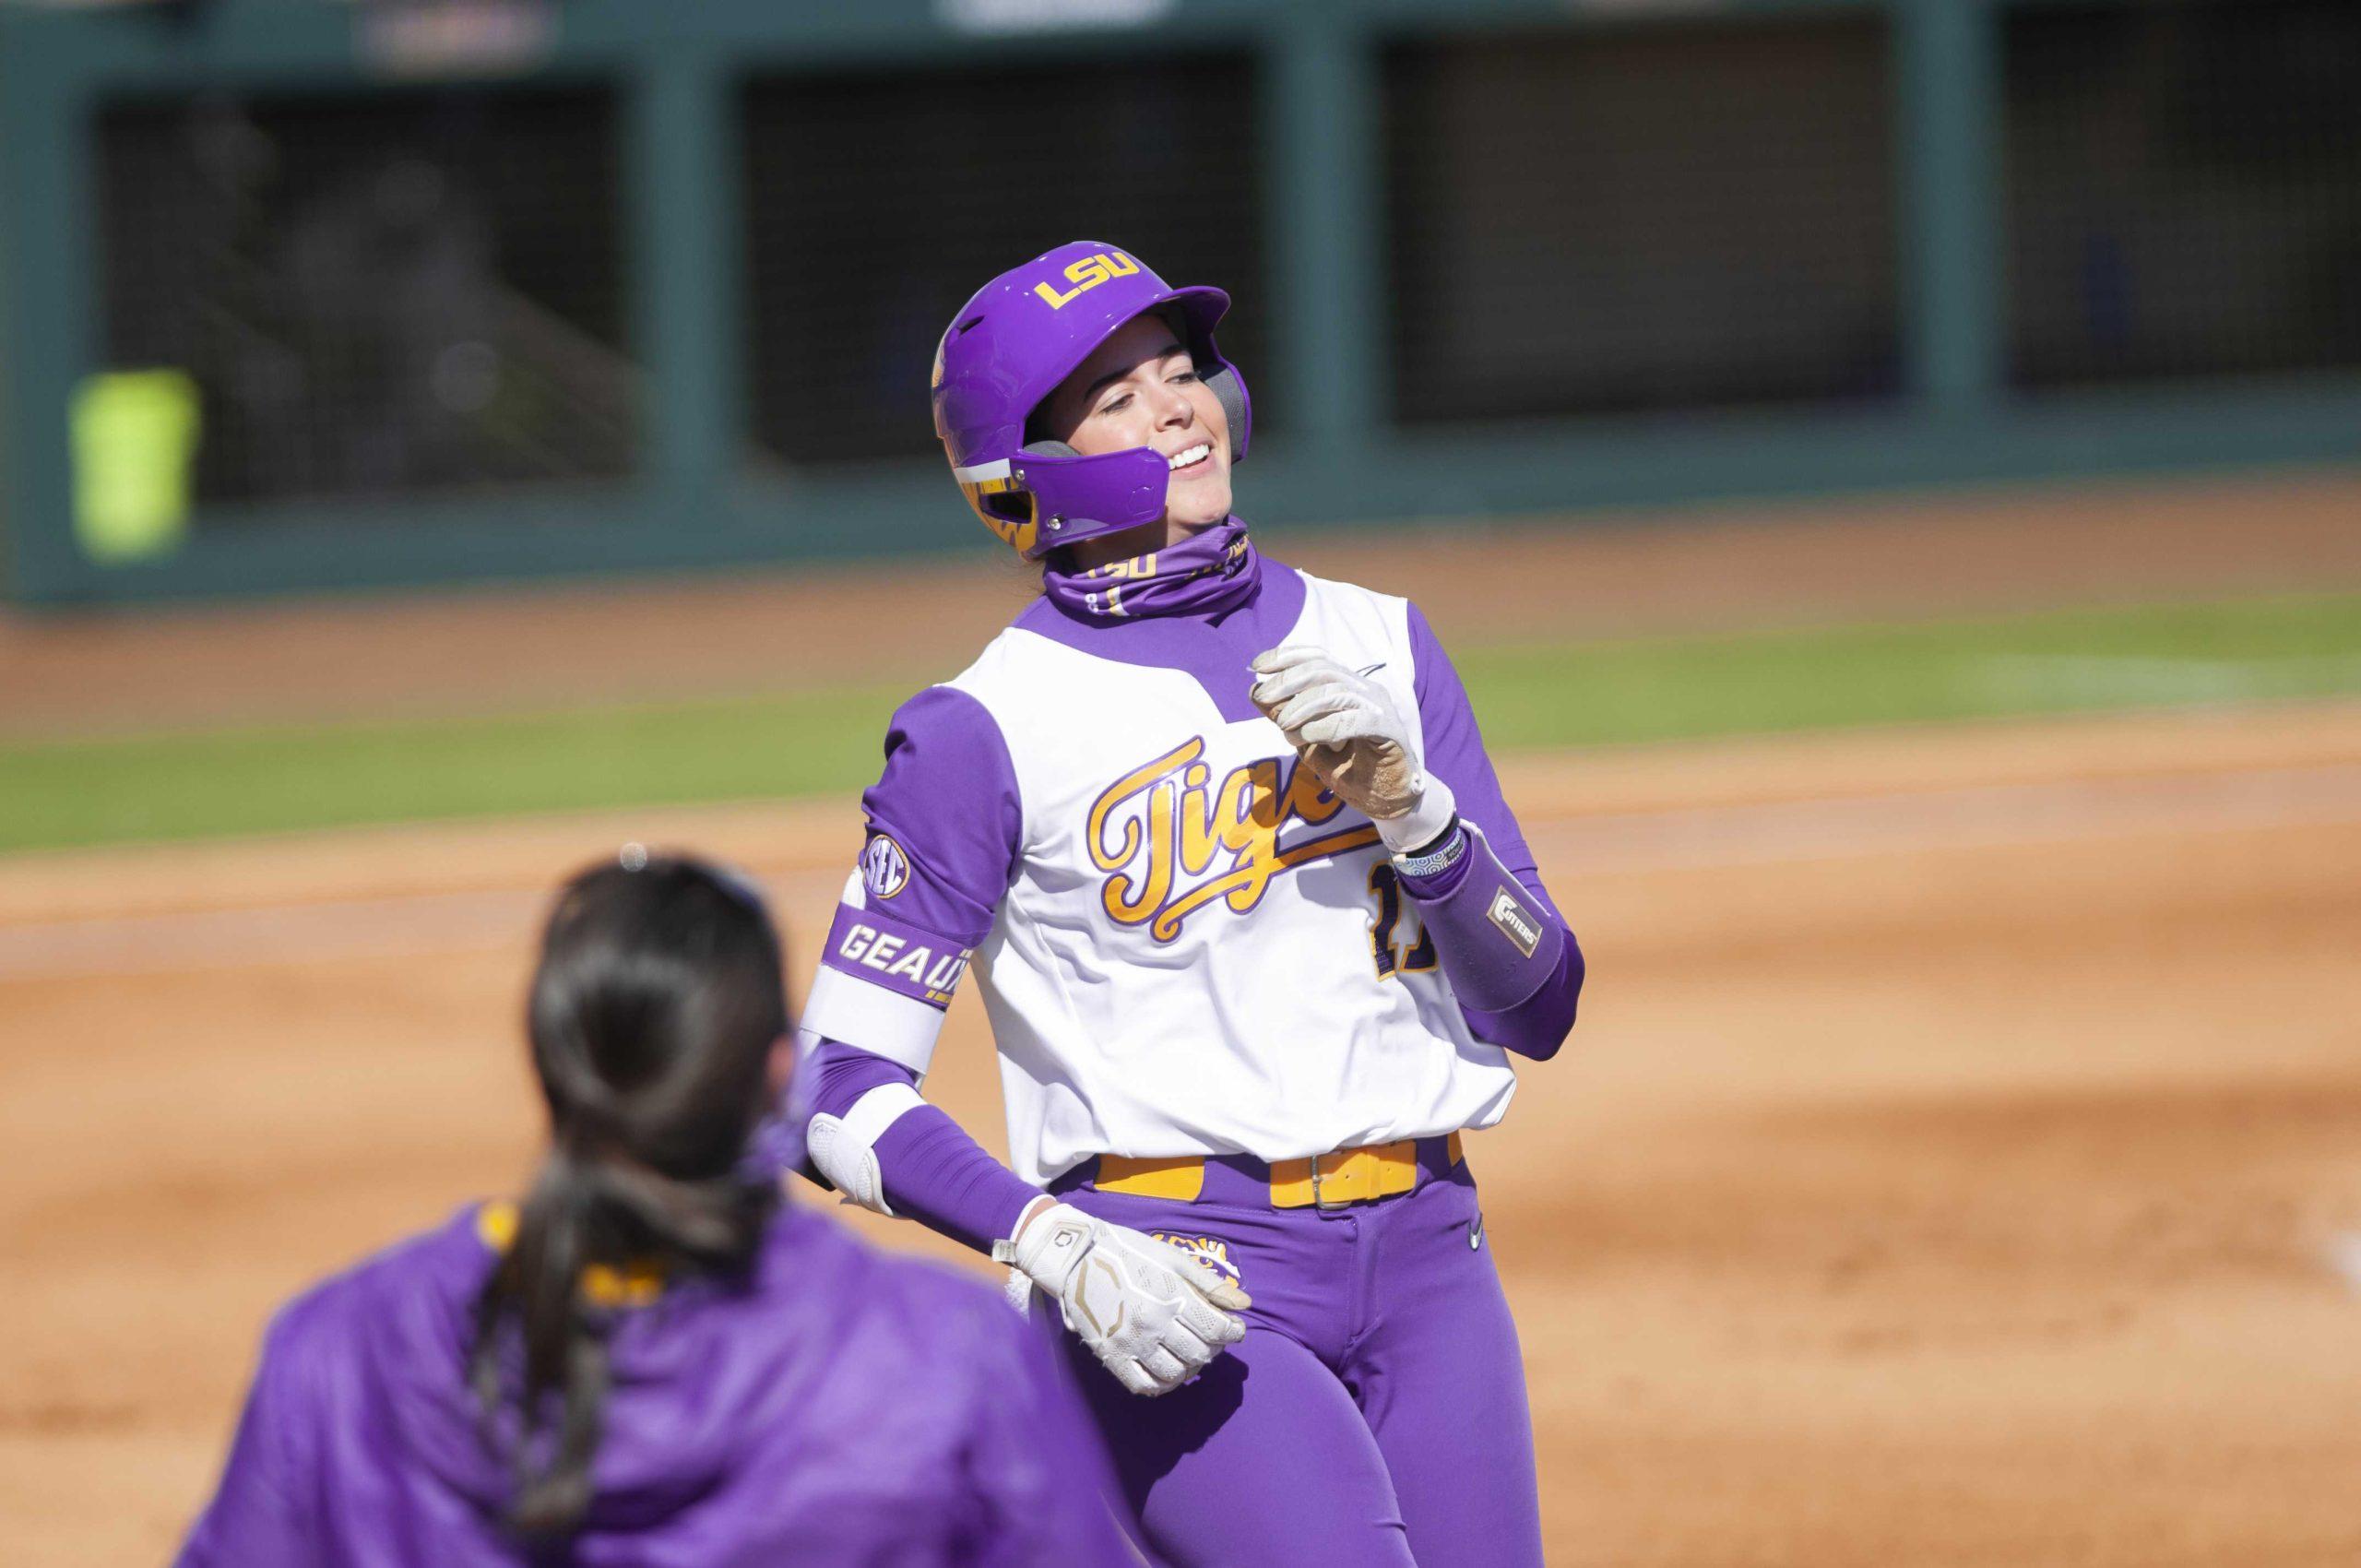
[{"x": 1011, "y": 345}]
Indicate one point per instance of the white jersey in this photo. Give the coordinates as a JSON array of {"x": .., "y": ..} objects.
[{"x": 1192, "y": 948}]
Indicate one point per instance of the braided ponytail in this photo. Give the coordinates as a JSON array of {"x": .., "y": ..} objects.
[{"x": 654, "y": 1011}]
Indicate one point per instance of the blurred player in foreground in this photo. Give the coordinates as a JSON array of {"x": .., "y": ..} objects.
[
  {"x": 650, "y": 1359},
  {"x": 1255, "y": 931}
]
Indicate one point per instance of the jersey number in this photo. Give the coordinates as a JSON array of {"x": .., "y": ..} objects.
[{"x": 1417, "y": 957}]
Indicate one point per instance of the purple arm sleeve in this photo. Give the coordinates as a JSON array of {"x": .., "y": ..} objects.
[
  {"x": 1511, "y": 957},
  {"x": 945, "y": 826},
  {"x": 933, "y": 1171},
  {"x": 944, "y": 829},
  {"x": 256, "y": 1519}
]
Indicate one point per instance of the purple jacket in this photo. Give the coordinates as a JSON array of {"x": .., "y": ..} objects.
[{"x": 849, "y": 1408}]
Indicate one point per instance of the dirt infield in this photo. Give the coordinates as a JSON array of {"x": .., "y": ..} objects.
[{"x": 1959, "y": 1160}]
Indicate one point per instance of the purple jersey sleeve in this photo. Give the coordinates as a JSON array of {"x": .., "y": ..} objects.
[
  {"x": 945, "y": 826},
  {"x": 1455, "y": 754},
  {"x": 257, "y": 1517},
  {"x": 948, "y": 801},
  {"x": 1518, "y": 971},
  {"x": 945, "y": 830}
]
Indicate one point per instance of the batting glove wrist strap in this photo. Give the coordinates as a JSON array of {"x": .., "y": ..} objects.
[
  {"x": 1152, "y": 1314},
  {"x": 1429, "y": 818},
  {"x": 1437, "y": 855}
]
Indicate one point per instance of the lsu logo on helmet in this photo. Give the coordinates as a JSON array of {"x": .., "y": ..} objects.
[
  {"x": 1104, "y": 266},
  {"x": 1214, "y": 1253}
]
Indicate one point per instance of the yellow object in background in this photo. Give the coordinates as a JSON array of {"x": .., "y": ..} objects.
[{"x": 134, "y": 436}]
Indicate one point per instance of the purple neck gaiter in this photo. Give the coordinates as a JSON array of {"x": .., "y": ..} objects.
[{"x": 1204, "y": 575}]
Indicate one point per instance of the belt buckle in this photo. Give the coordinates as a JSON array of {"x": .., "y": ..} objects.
[{"x": 1319, "y": 1199}]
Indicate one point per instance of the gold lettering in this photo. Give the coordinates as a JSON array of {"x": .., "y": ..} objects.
[
  {"x": 1130, "y": 896},
  {"x": 1309, "y": 799},
  {"x": 1185, "y": 823},
  {"x": 1245, "y": 887},
  {"x": 1213, "y": 823},
  {"x": 1139, "y": 566},
  {"x": 1086, "y": 275}
]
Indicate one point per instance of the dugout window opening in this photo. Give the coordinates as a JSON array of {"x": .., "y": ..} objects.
[
  {"x": 1642, "y": 216},
  {"x": 390, "y": 294}
]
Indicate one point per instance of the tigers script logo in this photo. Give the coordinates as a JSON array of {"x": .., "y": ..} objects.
[{"x": 1168, "y": 822}]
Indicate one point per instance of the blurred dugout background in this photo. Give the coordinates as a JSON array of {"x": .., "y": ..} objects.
[{"x": 301, "y": 294}]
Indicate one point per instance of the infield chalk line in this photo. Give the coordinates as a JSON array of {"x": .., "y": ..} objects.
[{"x": 1829, "y": 827}]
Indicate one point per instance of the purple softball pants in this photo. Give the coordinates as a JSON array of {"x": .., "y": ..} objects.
[{"x": 1375, "y": 1413}]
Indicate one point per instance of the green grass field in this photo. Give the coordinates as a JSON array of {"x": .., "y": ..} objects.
[{"x": 57, "y": 794}]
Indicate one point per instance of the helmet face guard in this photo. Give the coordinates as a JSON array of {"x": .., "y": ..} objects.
[{"x": 1011, "y": 345}]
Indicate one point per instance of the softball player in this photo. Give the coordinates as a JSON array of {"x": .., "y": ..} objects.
[
  {"x": 1256, "y": 933},
  {"x": 709, "y": 1379}
]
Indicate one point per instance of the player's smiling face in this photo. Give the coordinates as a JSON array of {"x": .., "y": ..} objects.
[{"x": 1140, "y": 389}]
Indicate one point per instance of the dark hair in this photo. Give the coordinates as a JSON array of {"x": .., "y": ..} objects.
[{"x": 654, "y": 1011}]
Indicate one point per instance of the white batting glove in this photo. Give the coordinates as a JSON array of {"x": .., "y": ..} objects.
[
  {"x": 1347, "y": 729},
  {"x": 1152, "y": 1314}
]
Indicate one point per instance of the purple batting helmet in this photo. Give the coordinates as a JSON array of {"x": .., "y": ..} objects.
[{"x": 1008, "y": 349}]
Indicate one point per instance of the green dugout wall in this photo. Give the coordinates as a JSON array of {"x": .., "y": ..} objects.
[{"x": 302, "y": 295}]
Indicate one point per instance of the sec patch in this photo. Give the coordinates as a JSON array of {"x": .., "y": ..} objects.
[{"x": 885, "y": 870}]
